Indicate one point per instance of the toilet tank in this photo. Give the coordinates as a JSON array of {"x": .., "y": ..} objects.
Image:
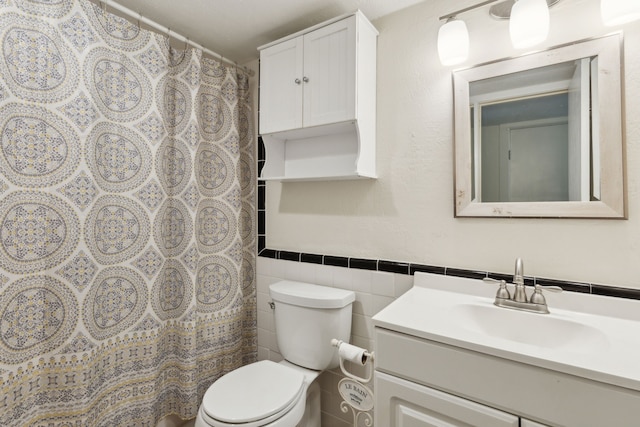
[{"x": 307, "y": 317}]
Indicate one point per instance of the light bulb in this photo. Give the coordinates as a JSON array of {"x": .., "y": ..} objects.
[
  {"x": 618, "y": 12},
  {"x": 529, "y": 24},
  {"x": 453, "y": 42}
]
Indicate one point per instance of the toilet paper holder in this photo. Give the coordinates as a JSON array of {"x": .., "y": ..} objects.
[
  {"x": 356, "y": 355},
  {"x": 357, "y": 396}
]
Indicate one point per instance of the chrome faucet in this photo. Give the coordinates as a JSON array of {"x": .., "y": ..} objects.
[
  {"x": 518, "y": 279},
  {"x": 536, "y": 303}
]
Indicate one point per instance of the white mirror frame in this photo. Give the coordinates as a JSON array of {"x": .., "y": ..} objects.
[{"x": 612, "y": 203}]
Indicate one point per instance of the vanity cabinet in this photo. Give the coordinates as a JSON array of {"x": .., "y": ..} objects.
[
  {"x": 318, "y": 102},
  {"x": 420, "y": 382}
]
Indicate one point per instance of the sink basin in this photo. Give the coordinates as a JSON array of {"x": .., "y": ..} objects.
[{"x": 542, "y": 330}]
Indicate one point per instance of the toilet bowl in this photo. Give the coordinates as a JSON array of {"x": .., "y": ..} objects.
[
  {"x": 262, "y": 394},
  {"x": 269, "y": 394}
]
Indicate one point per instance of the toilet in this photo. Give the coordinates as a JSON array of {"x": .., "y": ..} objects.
[{"x": 269, "y": 394}]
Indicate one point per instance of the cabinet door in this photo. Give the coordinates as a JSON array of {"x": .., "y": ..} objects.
[
  {"x": 330, "y": 73},
  {"x": 401, "y": 403},
  {"x": 281, "y": 86}
]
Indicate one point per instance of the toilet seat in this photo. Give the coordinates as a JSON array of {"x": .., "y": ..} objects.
[{"x": 253, "y": 395}]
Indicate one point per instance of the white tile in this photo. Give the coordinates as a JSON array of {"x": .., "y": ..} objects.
[
  {"x": 329, "y": 381},
  {"x": 262, "y": 301},
  {"x": 274, "y": 356},
  {"x": 361, "y": 280},
  {"x": 170, "y": 421},
  {"x": 325, "y": 395},
  {"x": 263, "y": 353},
  {"x": 403, "y": 282},
  {"x": 267, "y": 339},
  {"x": 263, "y": 282},
  {"x": 331, "y": 421},
  {"x": 362, "y": 326},
  {"x": 270, "y": 267},
  {"x": 380, "y": 302},
  {"x": 331, "y": 406},
  {"x": 341, "y": 277},
  {"x": 300, "y": 271},
  {"x": 266, "y": 320},
  {"x": 382, "y": 283},
  {"x": 324, "y": 275},
  {"x": 263, "y": 265},
  {"x": 363, "y": 304}
]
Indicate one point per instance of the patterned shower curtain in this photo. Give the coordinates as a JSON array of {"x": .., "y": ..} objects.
[{"x": 127, "y": 247}]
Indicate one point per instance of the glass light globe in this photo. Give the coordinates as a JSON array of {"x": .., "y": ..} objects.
[
  {"x": 529, "y": 23},
  {"x": 453, "y": 42}
]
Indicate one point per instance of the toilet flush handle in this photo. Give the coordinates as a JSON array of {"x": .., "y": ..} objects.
[{"x": 272, "y": 305}]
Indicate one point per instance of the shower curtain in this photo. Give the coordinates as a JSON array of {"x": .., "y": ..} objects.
[{"x": 127, "y": 206}]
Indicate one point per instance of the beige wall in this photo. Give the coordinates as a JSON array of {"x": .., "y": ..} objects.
[{"x": 407, "y": 213}]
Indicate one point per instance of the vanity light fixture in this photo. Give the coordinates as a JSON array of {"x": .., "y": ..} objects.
[
  {"x": 453, "y": 42},
  {"x": 618, "y": 12},
  {"x": 529, "y": 26}
]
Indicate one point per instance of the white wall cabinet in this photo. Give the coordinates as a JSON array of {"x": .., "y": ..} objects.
[
  {"x": 309, "y": 80},
  {"x": 318, "y": 102}
]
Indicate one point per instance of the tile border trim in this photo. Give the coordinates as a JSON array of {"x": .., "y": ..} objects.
[{"x": 399, "y": 267}]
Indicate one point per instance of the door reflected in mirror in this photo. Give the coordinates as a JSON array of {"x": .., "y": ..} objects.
[
  {"x": 534, "y": 134},
  {"x": 530, "y": 134}
]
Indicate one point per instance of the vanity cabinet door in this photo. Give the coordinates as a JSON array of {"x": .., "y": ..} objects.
[{"x": 401, "y": 403}]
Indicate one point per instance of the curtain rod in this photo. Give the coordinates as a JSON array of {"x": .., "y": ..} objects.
[{"x": 170, "y": 33}]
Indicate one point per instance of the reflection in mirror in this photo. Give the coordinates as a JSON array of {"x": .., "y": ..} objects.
[
  {"x": 534, "y": 131},
  {"x": 534, "y": 134}
]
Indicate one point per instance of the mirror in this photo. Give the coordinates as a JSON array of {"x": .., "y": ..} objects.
[{"x": 541, "y": 135}]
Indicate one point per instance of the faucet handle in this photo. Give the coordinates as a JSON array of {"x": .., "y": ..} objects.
[
  {"x": 503, "y": 292},
  {"x": 538, "y": 298}
]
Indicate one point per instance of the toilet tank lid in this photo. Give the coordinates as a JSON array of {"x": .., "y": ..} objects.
[{"x": 309, "y": 295}]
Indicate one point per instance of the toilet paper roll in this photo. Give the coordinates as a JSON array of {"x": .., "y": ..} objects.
[{"x": 353, "y": 353}]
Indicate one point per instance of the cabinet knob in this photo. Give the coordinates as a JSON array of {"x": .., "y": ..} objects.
[
  {"x": 305, "y": 79},
  {"x": 297, "y": 81}
]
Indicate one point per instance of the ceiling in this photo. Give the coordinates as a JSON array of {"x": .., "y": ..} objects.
[{"x": 235, "y": 28}]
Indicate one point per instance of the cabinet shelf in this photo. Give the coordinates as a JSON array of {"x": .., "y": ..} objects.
[
  {"x": 318, "y": 102},
  {"x": 328, "y": 152}
]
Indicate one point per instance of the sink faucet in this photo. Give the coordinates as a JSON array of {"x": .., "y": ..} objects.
[{"x": 536, "y": 303}]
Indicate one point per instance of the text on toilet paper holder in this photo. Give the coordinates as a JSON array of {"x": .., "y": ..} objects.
[{"x": 357, "y": 395}]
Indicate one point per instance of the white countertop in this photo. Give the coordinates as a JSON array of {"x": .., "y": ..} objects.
[{"x": 608, "y": 350}]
